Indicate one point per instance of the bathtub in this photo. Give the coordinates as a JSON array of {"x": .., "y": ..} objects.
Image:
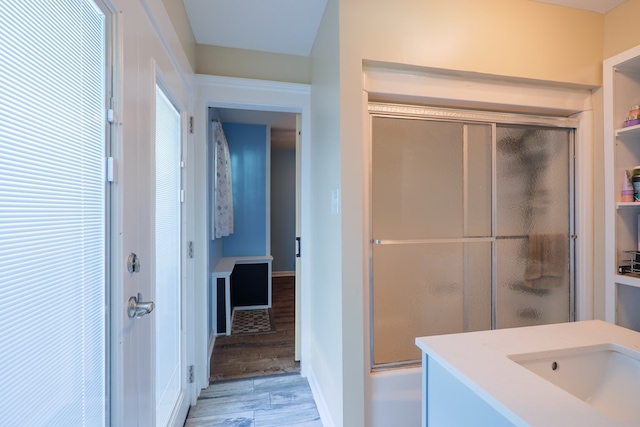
[{"x": 395, "y": 397}]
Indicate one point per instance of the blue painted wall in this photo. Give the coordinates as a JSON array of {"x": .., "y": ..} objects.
[
  {"x": 248, "y": 149},
  {"x": 283, "y": 210}
]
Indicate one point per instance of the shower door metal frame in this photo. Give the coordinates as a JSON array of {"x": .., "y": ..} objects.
[{"x": 378, "y": 109}]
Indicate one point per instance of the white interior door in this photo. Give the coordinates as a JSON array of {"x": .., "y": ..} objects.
[
  {"x": 152, "y": 337},
  {"x": 141, "y": 58},
  {"x": 170, "y": 375}
]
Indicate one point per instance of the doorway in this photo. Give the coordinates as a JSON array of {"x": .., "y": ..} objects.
[
  {"x": 224, "y": 92},
  {"x": 248, "y": 354}
]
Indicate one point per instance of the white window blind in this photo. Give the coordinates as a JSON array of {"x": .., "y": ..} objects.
[
  {"x": 52, "y": 213},
  {"x": 167, "y": 235}
]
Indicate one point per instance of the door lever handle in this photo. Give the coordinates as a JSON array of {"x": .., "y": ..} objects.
[{"x": 137, "y": 308}]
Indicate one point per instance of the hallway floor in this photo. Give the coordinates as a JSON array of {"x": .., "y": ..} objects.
[
  {"x": 252, "y": 355},
  {"x": 268, "y": 401}
]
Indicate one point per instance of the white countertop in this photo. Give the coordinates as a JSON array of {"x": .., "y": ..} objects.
[{"x": 480, "y": 361}]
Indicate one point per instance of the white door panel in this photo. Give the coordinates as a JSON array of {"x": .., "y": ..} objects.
[
  {"x": 142, "y": 55},
  {"x": 169, "y": 374}
]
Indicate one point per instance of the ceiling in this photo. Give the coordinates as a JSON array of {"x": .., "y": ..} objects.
[
  {"x": 278, "y": 26},
  {"x": 287, "y": 27}
]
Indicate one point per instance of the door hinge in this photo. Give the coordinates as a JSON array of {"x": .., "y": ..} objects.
[
  {"x": 191, "y": 124},
  {"x": 181, "y": 196},
  {"x": 111, "y": 115},
  {"x": 190, "y": 374},
  {"x": 110, "y": 169},
  {"x": 190, "y": 249}
]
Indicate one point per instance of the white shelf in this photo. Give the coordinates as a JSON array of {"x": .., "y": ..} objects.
[
  {"x": 628, "y": 280},
  {"x": 631, "y": 131},
  {"x": 627, "y": 205},
  {"x": 621, "y": 91}
]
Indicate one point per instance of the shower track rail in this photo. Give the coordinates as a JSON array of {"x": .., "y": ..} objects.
[{"x": 453, "y": 240}]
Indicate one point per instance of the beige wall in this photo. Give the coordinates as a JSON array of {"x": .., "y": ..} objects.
[
  {"x": 180, "y": 21},
  {"x": 251, "y": 64},
  {"x": 516, "y": 38},
  {"x": 621, "y": 28},
  {"x": 512, "y": 39},
  {"x": 327, "y": 319}
]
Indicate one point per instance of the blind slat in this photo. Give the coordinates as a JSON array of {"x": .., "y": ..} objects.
[{"x": 52, "y": 213}]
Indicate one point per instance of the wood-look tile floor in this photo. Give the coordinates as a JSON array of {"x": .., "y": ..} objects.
[
  {"x": 251, "y": 355},
  {"x": 268, "y": 401}
]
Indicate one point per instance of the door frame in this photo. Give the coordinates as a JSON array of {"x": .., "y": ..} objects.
[{"x": 248, "y": 94}]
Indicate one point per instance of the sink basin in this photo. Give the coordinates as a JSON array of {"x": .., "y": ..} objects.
[{"x": 606, "y": 376}]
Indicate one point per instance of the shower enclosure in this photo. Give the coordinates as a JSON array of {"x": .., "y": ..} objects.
[{"x": 471, "y": 225}]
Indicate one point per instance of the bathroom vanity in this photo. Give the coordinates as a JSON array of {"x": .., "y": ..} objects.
[{"x": 568, "y": 374}]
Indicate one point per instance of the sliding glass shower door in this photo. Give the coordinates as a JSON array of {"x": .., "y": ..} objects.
[
  {"x": 534, "y": 213},
  {"x": 452, "y": 209}
]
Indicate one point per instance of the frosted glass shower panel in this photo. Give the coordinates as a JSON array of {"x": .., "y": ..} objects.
[
  {"x": 533, "y": 180},
  {"x": 418, "y": 188},
  {"x": 533, "y": 245},
  {"x": 427, "y": 289},
  {"x": 477, "y": 179},
  {"x": 446, "y": 256},
  {"x": 523, "y": 300}
]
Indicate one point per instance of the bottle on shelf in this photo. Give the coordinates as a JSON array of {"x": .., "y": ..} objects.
[
  {"x": 633, "y": 118},
  {"x": 627, "y": 193},
  {"x": 635, "y": 181}
]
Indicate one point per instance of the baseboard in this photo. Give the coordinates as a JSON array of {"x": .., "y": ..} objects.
[
  {"x": 283, "y": 273},
  {"x": 249, "y": 307},
  {"x": 212, "y": 341},
  {"x": 321, "y": 404}
]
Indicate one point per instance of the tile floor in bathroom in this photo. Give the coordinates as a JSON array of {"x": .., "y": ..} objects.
[{"x": 271, "y": 401}]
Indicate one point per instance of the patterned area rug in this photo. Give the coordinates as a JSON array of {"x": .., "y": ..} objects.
[{"x": 251, "y": 322}]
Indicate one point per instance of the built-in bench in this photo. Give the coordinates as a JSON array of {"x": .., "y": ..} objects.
[{"x": 223, "y": 270}]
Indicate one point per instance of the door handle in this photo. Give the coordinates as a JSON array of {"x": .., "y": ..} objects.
[
  {"x": 297, "y": 247},
  {"x": 137, "y": 308}
]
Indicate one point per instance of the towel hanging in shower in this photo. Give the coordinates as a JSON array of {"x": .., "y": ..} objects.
[
  {"x": 222, "y": 200},
  {"x": 547, "y": 261}
]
